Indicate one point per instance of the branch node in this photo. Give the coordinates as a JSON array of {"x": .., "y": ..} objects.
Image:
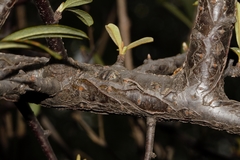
[
  {"x": 149, "y": 57},
  {"x": 151, "y": 125},
  {"x": 120, "y": 60}
]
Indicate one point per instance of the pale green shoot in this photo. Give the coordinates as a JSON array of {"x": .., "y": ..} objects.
[
  {"x": 78, "y": 157},
  {"x": 237, "y": 30},
  {"x": 195, "y": 3},
  {"x": 115, "y": 35}
]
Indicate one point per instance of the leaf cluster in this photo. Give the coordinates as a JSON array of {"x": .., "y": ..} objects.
[{"x": 22, "y": 38}]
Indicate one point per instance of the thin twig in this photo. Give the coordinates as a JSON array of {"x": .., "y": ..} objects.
[
  {"x": 37, "y": 129},
  {"x": 91, "y": 134},
  {"x": 101, "y": 128},
  {"x": 151, "y": 125},
  {"x": 60, "y": 141}
]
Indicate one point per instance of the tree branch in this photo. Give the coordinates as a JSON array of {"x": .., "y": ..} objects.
[
  {"x": 47, "y": 15},
  {"x": 6, "y": 6},
  {"x": 33, "y": 123},
  {"x": 151, "y": 125},
  {"x": 194, "y": 94}
]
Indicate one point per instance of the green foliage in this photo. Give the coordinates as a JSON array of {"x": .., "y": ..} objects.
[
  {"x": 195, "y": 3},
  {"x": 82, "y": 15},
  {"x": 35, "y": 108},
  {"x": 237, "y": 30},
  {"x": 114, "y": 33},
  {"x": 20, "y": 39},
  {"x": 44, "y": 31},
  {"x": 27, "y": 44},
  {"x": 74, "y": 3},
  {"x": 237, "y": 25}
]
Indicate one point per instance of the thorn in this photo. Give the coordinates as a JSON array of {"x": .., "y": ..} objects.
[
  {"x": 149, "y": 57},
  {"x": 184, "y": 47},
  {"x": 151, "y": 125}
]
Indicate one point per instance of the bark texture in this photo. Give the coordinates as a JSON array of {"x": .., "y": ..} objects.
[
  {"x": 5, "y": 8},
  {"x": 187, "y": 88}
]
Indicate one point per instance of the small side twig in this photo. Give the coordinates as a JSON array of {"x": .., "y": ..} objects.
[
  {"x": 151, "y": 125},
  {"x": 92, "y": 135},
  {"x": 60, "y": 141},
  {"x": 37, "y": 129}
]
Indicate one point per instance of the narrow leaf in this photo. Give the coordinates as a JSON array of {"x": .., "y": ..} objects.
[
  {"x": 44, "y": 31},
  {"x": 237, "y": 24},
  {"x": 46, "y": 49},
  {"x": 78, "y": 157},
  {"x": 114, "y": 33},
  {"x": 83, "y": 16},
  {"x": 75, "y": 3},
  {"x": 195, "y": 3},
  {"x": 11, "y": 44},
  {"x": 35, "y": 108},
  {"x": 27, "y": 44},
  {"x": 139, "y": 42},
  {"x": 60, "y": 7}
]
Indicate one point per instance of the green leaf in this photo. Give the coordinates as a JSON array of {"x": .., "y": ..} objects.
[
  {"x": 83, "y": 16},
  {"x": 35, "y": 108},
  {"x": 237, "y": 24},
  {"x": 12, "y": 44},
  {"x": 114, "y": 33},
  {"x": 27, "y": 44},
  {"x": 140, "y": 42},
  {"x": 195, "y": 3},
  {"x": 60, "y": 7},
  {"x": 237, "y": 51},
  {"x": 45, "y": 31},
  {"x": 75, "y": 3},
  {"x": 78, "y": 157}
]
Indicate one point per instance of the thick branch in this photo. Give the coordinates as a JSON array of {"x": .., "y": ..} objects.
[
  {"x": 194, "y": 94},
  {"x": 117, "y": 90}
]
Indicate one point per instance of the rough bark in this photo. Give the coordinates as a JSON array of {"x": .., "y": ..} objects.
[
  {"x": 5, "y": 8},
  {"x": 194, "y": 93}
]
